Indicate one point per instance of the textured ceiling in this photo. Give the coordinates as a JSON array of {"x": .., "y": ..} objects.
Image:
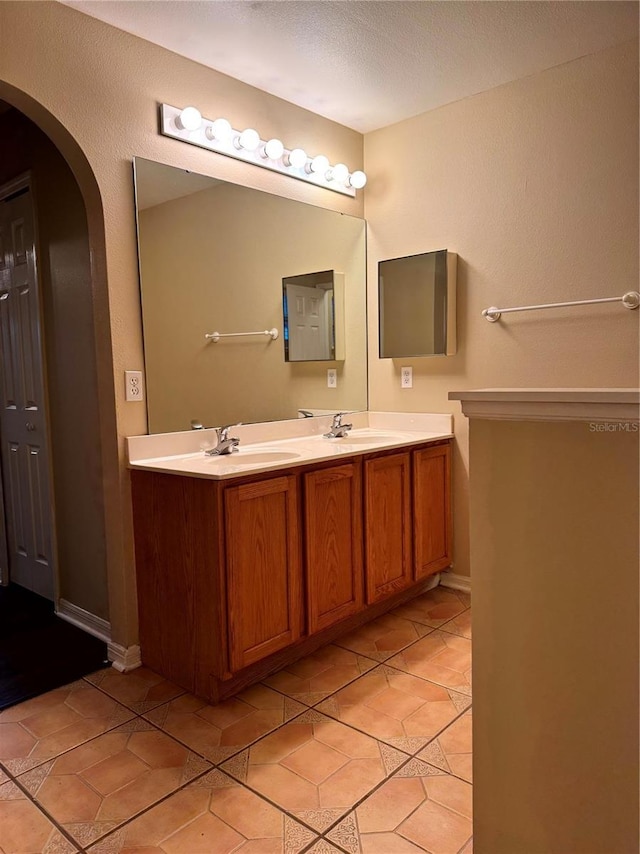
[{"x": 367, "y": 64}]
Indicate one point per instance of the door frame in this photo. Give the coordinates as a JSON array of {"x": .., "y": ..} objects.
[{"x": 14, "y": 185}]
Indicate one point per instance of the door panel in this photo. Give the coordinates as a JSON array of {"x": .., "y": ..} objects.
[
  {"x": 23, "y": 424},
  {"x": 333, "y": 546},
  {"x": 263, "y": 569},
  {"x": 432, "y": 503},
  {"x": 387, "y": 525}
]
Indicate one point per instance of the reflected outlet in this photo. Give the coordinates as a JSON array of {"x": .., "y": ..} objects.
[{"x": 332, "y": 378}]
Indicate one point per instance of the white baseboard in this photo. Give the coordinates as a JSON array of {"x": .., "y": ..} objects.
[
  {"x": 84, "y": 620},
  {"x": 455, "y": 582},
  {"x": 124, "y": 658}
]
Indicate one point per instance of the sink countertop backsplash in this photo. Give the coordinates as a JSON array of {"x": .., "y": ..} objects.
[{"x": 270, "y": 445}]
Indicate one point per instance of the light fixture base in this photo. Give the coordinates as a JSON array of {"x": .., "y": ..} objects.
[{"x": 170, "y": 125}]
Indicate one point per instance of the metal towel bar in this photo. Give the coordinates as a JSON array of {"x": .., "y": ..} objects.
[
  {"x": 216, "y": 336},
  {"x": 629, "y": 300}
]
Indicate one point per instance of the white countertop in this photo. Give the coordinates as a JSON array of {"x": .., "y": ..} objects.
[
  {"x": 282, "y": 444},
  {"x": 551, "y": 404}
]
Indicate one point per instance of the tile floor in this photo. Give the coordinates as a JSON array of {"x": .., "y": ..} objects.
[{"x": 363, "y": 747}]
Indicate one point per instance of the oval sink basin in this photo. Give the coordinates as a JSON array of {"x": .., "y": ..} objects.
[{"x": 256, "y": 458}]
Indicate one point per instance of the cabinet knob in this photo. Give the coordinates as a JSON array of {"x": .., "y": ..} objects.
[{"x": 30, "y": 426}]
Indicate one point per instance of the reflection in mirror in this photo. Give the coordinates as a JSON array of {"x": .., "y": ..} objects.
[
  {"x": 313, "y": 313},
  {"x": 213, "y": 256},
  {"x": 417, "y": 299}
]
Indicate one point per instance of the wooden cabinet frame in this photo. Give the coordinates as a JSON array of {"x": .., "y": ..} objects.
[{"x": 194, "y": 539}]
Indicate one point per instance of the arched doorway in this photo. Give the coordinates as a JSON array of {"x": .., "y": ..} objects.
[{"x": 66, "y": 311}]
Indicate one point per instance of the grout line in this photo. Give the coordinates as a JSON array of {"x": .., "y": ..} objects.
[{"x": 45, "y": 812}]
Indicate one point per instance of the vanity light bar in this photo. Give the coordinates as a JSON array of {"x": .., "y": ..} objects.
[{"x": 217, "y": 135}]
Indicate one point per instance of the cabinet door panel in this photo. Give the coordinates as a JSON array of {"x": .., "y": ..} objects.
[
  {"x": 333, "y": 547},
  {"x": 432, "y": 510},
  {"x": 263, "y": 569},
  {"x": 387, "y": 525}
]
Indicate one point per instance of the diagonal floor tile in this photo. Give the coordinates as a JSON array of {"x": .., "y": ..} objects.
[
  {"x": 323, "y": 846},
  {"x": 439, "y": 657},
  {"x": 434, "y": 607},
  {"x": 24, "y": 829},
  {"x": 383, "y": 637},
  {"x": 219, "y": 731},
  {"x": 97, "y": 786},
  {"x": 460, "y": 625},
  {"x": 451, "y": 751},
  {"x": 417, "y": 809},
  {"x": 349, "y": 764},
  {"x": 140, "y": 690},
  {"x": 396, "y": 707},
  {"x": 213, "y": 815},
  {"x": 313, "y": 678},
  {"x": 40, "y": 729}
]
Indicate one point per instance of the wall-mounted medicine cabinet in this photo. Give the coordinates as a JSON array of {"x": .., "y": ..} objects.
[
  {"x": 313, "y": 309},
  {"x": 417, "y": 305}
]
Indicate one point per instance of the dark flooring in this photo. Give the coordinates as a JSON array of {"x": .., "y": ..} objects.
[{"x": 39, "y": 651}]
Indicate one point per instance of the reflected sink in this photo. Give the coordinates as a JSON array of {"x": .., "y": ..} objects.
[{"x": 257, "y": 457}]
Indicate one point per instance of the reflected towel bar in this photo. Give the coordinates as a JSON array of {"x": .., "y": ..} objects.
[
  {"x": 629, "y": 300},
  {"x": 216, "y": 336}
]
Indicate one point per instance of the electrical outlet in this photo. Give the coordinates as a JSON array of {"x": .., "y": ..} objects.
[
  {"x": 406, "y": 377},
  {"x": 133, "y": 388},
  {"x": 332, "y": 378}
]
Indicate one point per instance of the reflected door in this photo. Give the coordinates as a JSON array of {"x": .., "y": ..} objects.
[
  {"x": 23, "y": 433},
  {"x": 309, "y": 310}
]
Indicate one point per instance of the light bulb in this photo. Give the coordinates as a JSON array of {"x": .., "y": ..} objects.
[
  {"x": 249, "y": 139},
  {"x": 220, "y": 129},
  {"x": 273, "y": 149},
  {"x": 357, "y": 180},
  {"x": 338, "y": 173},
  {"x": 296, "y": 158},
  {"x": 189, "y": 119},
  {"x": 319, "y": 165}
]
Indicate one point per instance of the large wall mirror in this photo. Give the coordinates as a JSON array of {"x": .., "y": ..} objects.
[{"x": 213, "y": 258}]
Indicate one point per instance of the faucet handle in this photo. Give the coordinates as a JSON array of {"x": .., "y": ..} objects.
[
  {"x": 223, "y": 432},
  {"x": 337, "y": 419}
]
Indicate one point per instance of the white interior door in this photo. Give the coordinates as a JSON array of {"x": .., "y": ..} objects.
[
  {"x": 23, "y": 425},
  {"x": 308, "y": 335}
]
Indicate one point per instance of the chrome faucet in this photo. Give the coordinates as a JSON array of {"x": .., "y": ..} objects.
[
  {"x": 338, "y": 429},
  {"x": 226, "y": 444}
]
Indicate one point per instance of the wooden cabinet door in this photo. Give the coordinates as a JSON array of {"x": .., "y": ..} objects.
[
  {"x": 333, "y": 545},
  {"x": 387, "y": 525},
  {"x": 263, "y": 571},
  {"x": 432, "y": 510}
]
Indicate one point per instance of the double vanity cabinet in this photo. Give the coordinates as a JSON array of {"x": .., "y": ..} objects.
[{"x": 241, "y": 573}]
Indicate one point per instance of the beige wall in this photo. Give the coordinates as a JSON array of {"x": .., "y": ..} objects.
[
  {"x": 535, "y": 185},
  {"x": 95, "y": 90},
  {"x": 554, "y": 538},
  {"x": 215, "y": 260}
]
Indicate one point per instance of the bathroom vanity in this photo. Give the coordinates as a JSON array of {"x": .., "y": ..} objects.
[{"x": 249, "y": 561}]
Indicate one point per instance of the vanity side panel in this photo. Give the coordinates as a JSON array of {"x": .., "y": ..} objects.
[
  {"x": 333, "y": 544},
  {"x": 263, "y": 572},
  {"x": 432, "y": 510},
  {"x": 387, "y": 525},
  {"x": 178, "y": 575}
]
